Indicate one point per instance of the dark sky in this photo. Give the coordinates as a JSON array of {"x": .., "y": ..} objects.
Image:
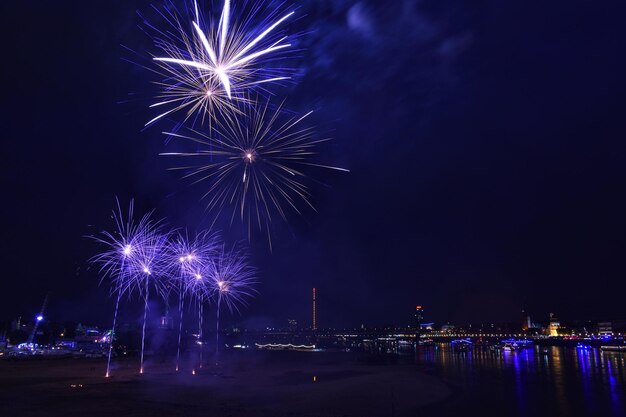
[{"x": 486, "y": 143}]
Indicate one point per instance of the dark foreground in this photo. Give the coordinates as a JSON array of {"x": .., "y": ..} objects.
[
  {"x": 434, "y": 382},
  {"x": 254, "y": 384}
]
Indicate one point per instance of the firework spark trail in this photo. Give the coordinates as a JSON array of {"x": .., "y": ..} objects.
[
  {"x": 143, "y": 328},
  {"x": 112, "y": 337},
  {"x": 188, "y": 259},
  {"x": 181, "y": 296},
  {"x": 200, "y": 320},
  {"x": 217, "y": 331},
  {"x": 116, "y": 261},
  {"x": 207, "y": 69},
  {"x": 254, "y": 164},
  {"x": 150, "y": 267},
  {"x": 232, "y": 283}
]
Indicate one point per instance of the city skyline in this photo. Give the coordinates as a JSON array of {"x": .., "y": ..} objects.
[{"x": 417, "y": 314}]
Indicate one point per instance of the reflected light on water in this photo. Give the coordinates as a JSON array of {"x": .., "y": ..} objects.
[{"x": 535, "y": 381}]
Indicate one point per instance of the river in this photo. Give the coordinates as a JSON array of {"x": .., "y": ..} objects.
[{"x": 553, "y": 381}]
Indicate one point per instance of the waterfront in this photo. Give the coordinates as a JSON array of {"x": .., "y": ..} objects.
[
  {"x": 435, "y": 381},
  {"x": 559, "y": 381}
]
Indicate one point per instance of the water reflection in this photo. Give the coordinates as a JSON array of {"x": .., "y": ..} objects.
[{"x": 536, "y": 381}]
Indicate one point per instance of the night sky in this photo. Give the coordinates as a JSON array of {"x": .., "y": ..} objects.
[{"x": 486, "y": 143}]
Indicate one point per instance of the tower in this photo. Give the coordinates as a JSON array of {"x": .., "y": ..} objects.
[
  {"x": 553, "y": 328},
  {"x": 419, "y": 317},
  {"x": 526, "y": 323},
  {"x": 314, "y": 327}
]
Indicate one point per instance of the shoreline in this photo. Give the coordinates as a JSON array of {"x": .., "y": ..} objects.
[{"x": 254, "y": 384}]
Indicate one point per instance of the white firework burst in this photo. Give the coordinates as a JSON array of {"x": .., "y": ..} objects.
[{"x": 208, "y": 69}]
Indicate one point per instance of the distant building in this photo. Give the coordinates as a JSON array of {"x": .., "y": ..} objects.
[
  {"x": 427, "y": 326},
  {"x": 619, "y": 327},
  {"x": 605, "y": 328},
  {"x": 583, "y": 327},
  {"x": 447, "y": 328},
  {"x": 292, "y": 325},
  {"x": 87, "y": 333},
  {"x": 526, "y": 322},
  {"x": 418, "y": 317},
  {"x": 16, "y": 324},
  {"x": 553, "y": 328}
]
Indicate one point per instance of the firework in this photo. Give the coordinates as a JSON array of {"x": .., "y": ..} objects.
[
  {"x": 232, "y": 282},
  {"x": 122, "y": 247},
  {"x": 232, "y": 278},
  {"x": 124, "y": 250},
  {"x": 189, "y": 259},
  {"x": 142, "y": 257},
  {"x": 149, "y": 269},
  {"x": 208, "y": 68},
  {"x": 255, "y": 165}
]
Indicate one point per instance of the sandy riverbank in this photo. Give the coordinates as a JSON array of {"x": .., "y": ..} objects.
[{"x": 254, "y": 384}]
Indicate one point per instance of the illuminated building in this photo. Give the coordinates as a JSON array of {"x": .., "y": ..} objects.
[
  {"x": 526, "y": 322},
  {"x": 605, "y": 328},
  {"x": 427, "y": 326},
  {"x": 447, "y": 328},
  {"x": 86, "y": 334},
  {"x": 314, "y": 327},
  {"x": 419, "y": 317},
  {"x": 553, "y": 329}
]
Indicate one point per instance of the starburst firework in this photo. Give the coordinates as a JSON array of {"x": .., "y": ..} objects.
[
  {"x": 232, "y": 282},
  {"x": 255, "y": 164},
  {"x": 130, "y": 257},
  {"x": 232, "y": 279},
  {"x": 209, "y": 68}
]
